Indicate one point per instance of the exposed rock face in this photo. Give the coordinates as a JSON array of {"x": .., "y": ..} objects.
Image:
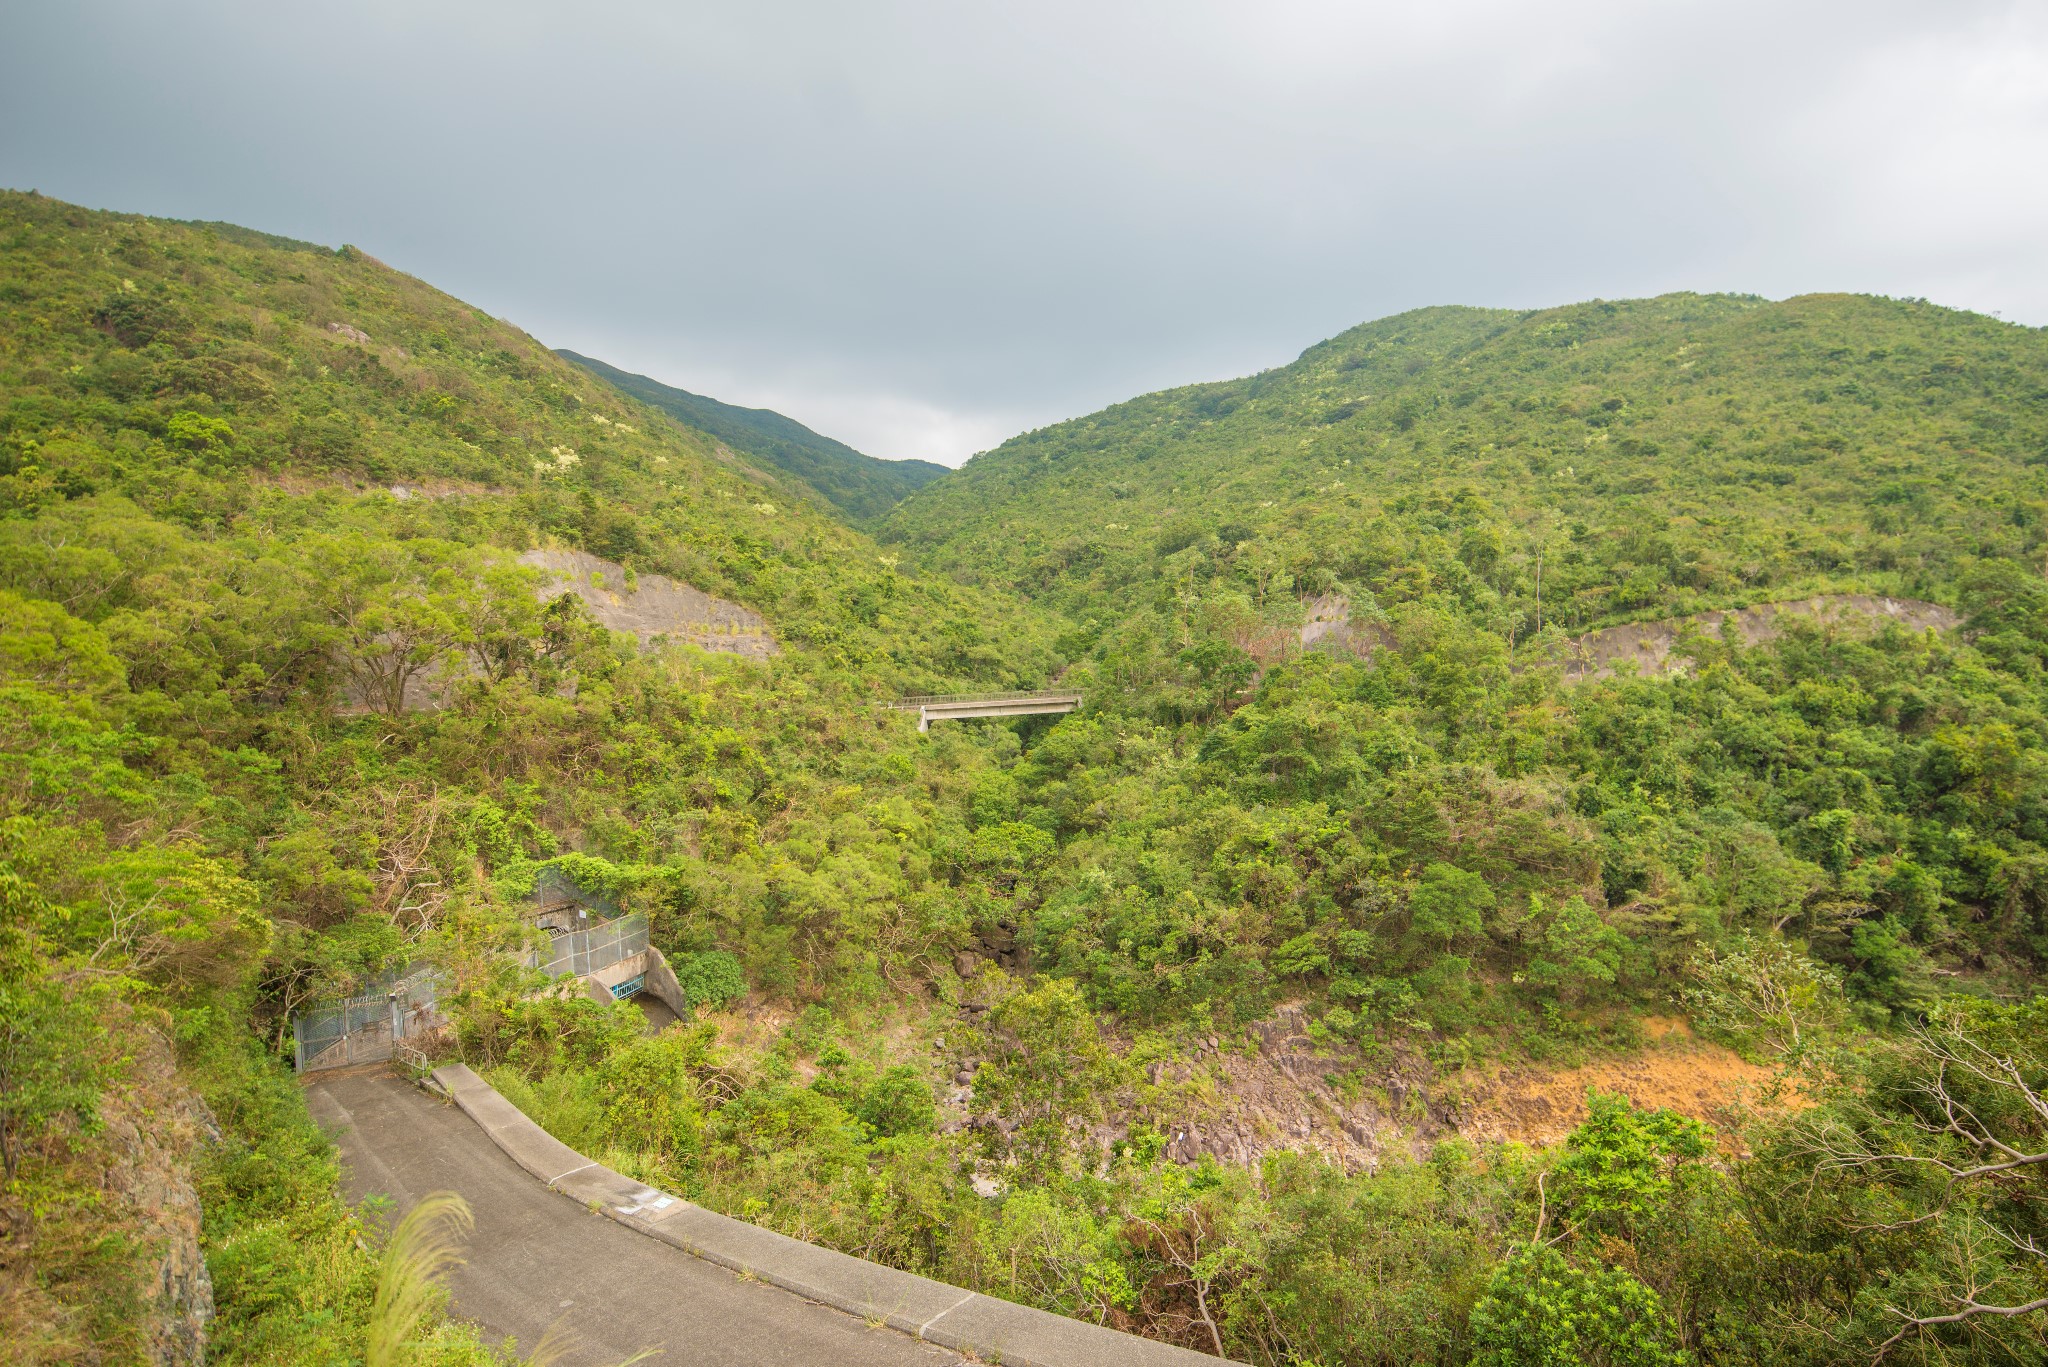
[
  {"x": 1282, "y": 1096},
  {"x": 151, "y": 1132},
  {"x": 656, "y": 606},
  {"x": 1329, "y": 627},
  {"x": 1000, "y": 944},
  {"x": 1277, "y": 1087},
  {"x": 1651, "y": 646}
]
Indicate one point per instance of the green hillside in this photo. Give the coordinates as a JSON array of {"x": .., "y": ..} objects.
[
  {"x": 1663, "y": 455},
  {"x": 861, "y": 487},
  {"x": 1644, "y": 459},
  {"x": 1447, "y": 851},
  {"x": 248, "y": 488},
  {"x": 1200, "y": 1012}
]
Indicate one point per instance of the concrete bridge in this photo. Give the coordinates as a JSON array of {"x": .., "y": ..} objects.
[{"x": 931, "y": 707}]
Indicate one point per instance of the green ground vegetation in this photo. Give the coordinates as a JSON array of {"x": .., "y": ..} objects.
[
  {"x": 1658, "y": 455},
  {"x": 1640, "y": 1240},
  {"x": 257, "y": 494},
  {"x": 211, "y": 605}
]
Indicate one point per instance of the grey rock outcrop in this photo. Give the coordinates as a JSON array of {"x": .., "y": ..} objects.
[{"x": 655, "y": 606}]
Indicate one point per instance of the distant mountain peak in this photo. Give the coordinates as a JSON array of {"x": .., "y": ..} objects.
[{"x": 862, "y": 487}]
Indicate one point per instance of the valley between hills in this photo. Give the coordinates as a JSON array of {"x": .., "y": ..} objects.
[{"x": 1551, "y": 863}]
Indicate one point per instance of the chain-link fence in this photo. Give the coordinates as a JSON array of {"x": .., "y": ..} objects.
[
  {"x": 554, "y": 890},
  {"x": 372, "y": 1026},
  {"x": 366, "y": 1028},
  {"x": 577, "y": 952}
]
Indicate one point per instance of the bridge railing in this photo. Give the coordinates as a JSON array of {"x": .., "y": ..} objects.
[{"x": 917, "y": 700}]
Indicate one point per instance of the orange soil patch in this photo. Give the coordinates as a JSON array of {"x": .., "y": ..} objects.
[{"x": 1677, "y": 1072}]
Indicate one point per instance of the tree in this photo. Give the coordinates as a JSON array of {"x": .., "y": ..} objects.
[
  {"x": 1945, "y": 1143},
  {"x": 1043, "y": 1251},
  {"x": 53, "y": 1056},
  {"x": 649, "y": 1095},
  {"x": 1191, "y": 1224},
  {"x": 199, "y": 433},
  {"x": 1759, "y": 993},
  {"x": 711, "y": 978},
  {"x": 1220, "y": 668},
  {"x": 1448, "y": 904},
  {"x": 1540, "y": 1310},
  {"x": 899, "y": 1102},
  {"x": 397, "y": 610},
  {"x": 1575, "y": 947},
  {"x": 1048, "y": 1071},
  {"x": 1620, "y": 1162}
]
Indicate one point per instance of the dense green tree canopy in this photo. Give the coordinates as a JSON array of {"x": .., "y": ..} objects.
[
  {"x": 281, "y": 709},
  {"x": 1655, "y": 455}
]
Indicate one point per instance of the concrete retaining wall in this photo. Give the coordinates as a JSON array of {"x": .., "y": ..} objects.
[
  {"x": 661, "y": 981},
  {"x": 662, "y": 984},
  {"x": 993, "y": 1330},
  {"x": 599, "y": 984}
]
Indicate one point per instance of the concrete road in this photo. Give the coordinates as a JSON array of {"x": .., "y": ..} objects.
[{"x": 538, "y": 1257}]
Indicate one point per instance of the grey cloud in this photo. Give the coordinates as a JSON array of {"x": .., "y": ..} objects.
[{"x": 921, "y": 227}]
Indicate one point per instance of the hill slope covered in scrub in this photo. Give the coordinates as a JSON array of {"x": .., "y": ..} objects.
[
  {"x": 860, "y": 486},
  {"x": 1661, "y": 456},
  {"x": 254, "y": 493},
  {"x": 1458, "y": 857},
  {"x": 1204, "y": 1012}
]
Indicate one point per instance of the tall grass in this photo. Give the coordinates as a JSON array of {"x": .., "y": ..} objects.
[{"x": 426, "y": 1246}]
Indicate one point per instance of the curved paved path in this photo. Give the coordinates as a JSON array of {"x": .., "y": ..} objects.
[{"x": 537, "y": 1257}]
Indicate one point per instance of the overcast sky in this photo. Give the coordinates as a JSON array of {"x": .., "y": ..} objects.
[{"x": 922, "y": 228}]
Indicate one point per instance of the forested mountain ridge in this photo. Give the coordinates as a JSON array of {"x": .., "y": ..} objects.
[
  {"x": 860, "y": 486},
  {"x": 1177, "y": 1013},
  {"x": 1662, "y": 456},
  {"x": 205, "y": 372},
  {"x": 252, "y": 492}
]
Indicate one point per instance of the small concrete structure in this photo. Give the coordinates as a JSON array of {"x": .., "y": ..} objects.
[
  {"x": 931, "y": 707},
  {"x": 648, "y": 972}
]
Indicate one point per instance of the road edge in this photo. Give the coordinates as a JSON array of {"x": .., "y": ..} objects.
[{"x": 950, "y": 1316}]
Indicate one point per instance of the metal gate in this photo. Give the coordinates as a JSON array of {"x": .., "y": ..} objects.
[{"x": 366, "y": 1028}]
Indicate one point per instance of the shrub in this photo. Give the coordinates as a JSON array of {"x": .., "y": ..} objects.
[
  {"x": 1541, "y": 1311},
  {"x": 712, "y": 978},
  {"x": 899, "y": 1102}
]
